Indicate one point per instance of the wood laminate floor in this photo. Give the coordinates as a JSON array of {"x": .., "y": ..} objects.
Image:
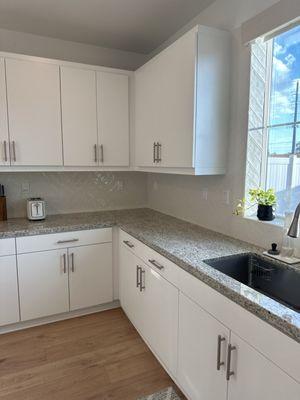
[{"x": 99, "y": 356}]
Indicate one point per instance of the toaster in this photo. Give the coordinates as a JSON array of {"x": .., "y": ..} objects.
[{"x": 36, "y": 209}]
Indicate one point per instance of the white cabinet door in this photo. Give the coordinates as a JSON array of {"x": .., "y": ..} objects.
[
  {"x": 33, "y": 95},
  {"x": 160, "y": 313},
  {"x": 131, "y": 297},
  {"x": 9, "y": 300},
  {"x": 4, "y": 139},
  {"x": 255, "y": 377},
  {"x": 164, "y": 105},
  {"x": 79, "y": 116},
  {"x": 113, "y": 118},
  {"x": 43, "y": 283},
  {"x": 90, "y": 275},
  {"x": 198, "y": 353}
]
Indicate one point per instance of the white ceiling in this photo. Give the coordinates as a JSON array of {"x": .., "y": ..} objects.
[{"x": 132, "y": 25}]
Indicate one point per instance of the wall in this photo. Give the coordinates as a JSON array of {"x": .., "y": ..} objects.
[
  {"x": 182, "y": 196},
  {"x": 67, "y": 192},
  {"x": 40, "y": 46}
]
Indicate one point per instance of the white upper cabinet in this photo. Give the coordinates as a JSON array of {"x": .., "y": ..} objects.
[
  {"x": 113, "y": 118},
  {"x": 79, "y": 116},
  {"x": 4, "y": 139},
  {"x": 164, "y": 105},
  {"x": 181, "y": 105},
  {"x": 34, "y": 112}
]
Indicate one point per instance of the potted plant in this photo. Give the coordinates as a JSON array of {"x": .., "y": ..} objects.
[{"x": 265, "y": 200}]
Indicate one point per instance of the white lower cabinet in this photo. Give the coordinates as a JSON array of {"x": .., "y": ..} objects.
[
  {"x": 202, "y": 344},
  {"x": 151, "y": 303},
  {"x": 9, "y": 300},
  {"x": 255, "y": 377},
  {"x": 43, "y": 283},
  {"x": 64, "y": 272},
  {"x": 199, "y": 336},
  {"x": 90, "y": 275},
  {"x": 131, "y": 297},
  {"x": 160, "y": 313}
]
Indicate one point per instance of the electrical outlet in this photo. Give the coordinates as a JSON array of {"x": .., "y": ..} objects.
[
  {"x": 226, "y": 197},
  {"x": 25, "y": 189},
  {"x": 155, "y": 186},
  {"x": 204, "y": 194},
  {"x": 120, "y": 186}
]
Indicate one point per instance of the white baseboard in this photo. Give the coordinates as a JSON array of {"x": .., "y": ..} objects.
[{"x": 58, "y": 317}]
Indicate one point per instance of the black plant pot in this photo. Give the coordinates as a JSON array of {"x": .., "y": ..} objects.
[{"x": 265, "y": 213}]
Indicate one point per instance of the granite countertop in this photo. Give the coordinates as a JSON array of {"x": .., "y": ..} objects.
[{"x": 186, "y": 244}]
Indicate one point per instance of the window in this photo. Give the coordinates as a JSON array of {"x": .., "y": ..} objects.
[{"x": 273, "y": 153}]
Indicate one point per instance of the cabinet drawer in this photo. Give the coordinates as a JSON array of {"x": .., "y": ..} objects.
[
  {"x": 7, "y": 247},
  {"x": 132, "y": 244},
  {"x": 157, "y": 262},
  {"x": 29, "y": 244},
  {"x": 160, "y": 264}
]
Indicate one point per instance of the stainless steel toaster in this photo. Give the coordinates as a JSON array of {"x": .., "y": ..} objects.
[{"x": 36, "y": 209}]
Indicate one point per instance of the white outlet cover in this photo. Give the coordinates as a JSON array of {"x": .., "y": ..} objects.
[
  {"x": 226, "y": 197},
  {"x": 204, "y": 193},
  {"x": 25, "y": 188}
]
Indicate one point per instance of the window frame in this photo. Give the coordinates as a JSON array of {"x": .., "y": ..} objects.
[{"x": 269, "y": 65}]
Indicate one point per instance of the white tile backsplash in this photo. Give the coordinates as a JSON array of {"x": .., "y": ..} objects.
[{"x": 67, "y": 192}]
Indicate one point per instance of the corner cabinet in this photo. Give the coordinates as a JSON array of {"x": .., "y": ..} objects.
[{"x": 181, "y": 105}]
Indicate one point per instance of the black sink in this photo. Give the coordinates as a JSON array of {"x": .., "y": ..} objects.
[{"x": 273, "y": 279}]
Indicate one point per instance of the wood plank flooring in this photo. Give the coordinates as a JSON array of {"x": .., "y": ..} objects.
[{"x": 99, "y": 356}]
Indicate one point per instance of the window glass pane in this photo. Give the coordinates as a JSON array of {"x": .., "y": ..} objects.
[
  {"x": 283, "y": 169},
  {"x": 285, "y": 74},
  {"x": 280, "y": 140}
]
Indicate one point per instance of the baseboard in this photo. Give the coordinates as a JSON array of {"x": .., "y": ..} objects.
[{"x": 58, "y": 317}]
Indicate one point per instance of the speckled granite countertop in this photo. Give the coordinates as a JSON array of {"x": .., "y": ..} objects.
[{"x": 187, "y": 245}]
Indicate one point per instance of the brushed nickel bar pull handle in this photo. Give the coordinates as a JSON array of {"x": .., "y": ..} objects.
[
  {"x": 156, "y": 264},
  {"x": 219, "y": 362},
  {"x": 154, "y": 152},
  {"x": 95, "y": 153},
  {"x": 158, "y": 152},
  {"x": 128, "y": 243},
  {"x": 65, "y": 263},
  {"x": 67, "y": 241},
  {"x": 138, "y": 276},
  {"x": 142, "y": 274},
  {"x": 102, "y": 153},
  {"x": 72, "y": 263},
  {"x": 14, "y": 150},
  {"x": 5, "y": 150},
  {"x": 229, "y": 373}
]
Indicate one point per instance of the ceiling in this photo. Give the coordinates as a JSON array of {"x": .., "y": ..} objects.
[{"x": 132, "y": 25}]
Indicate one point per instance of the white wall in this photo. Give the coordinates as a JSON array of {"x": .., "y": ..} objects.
[
  {"x": 40, "y": 46},
  {"x": 180, "y": 195}
]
